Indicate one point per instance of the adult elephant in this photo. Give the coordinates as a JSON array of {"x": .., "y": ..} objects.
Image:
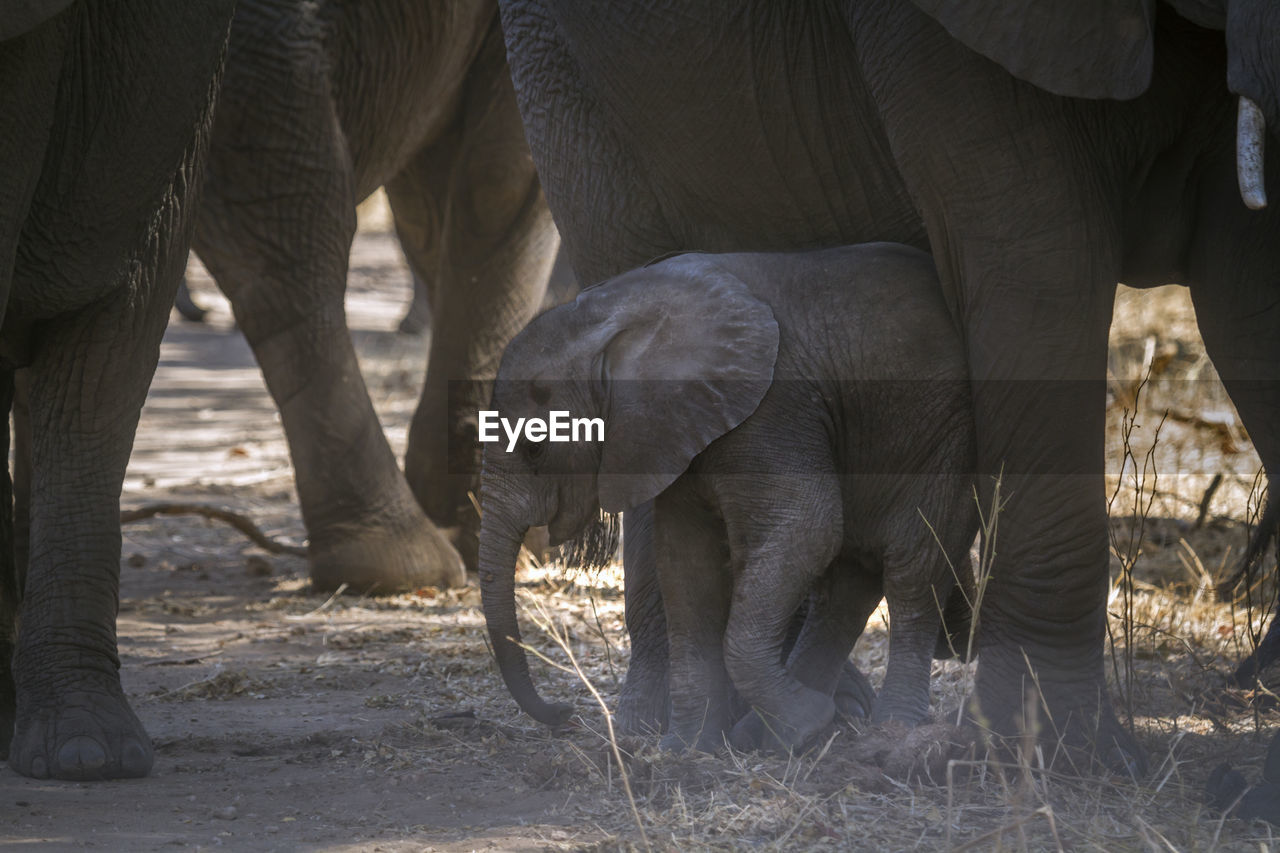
[
  {"x": 1043, "y": 151},
  {"x": 107, "y": 108},
  {"x": 321, "y": 104}
]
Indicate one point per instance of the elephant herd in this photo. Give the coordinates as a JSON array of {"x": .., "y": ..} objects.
[{"x": 797, "y": 400}]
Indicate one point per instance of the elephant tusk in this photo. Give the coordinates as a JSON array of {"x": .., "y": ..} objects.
[{"x": 1250, "y": 172}]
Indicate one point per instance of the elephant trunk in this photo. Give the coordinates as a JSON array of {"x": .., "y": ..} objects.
[
  {"x": 499, "y": 548},
  {"x": 1251, "y": 128}
]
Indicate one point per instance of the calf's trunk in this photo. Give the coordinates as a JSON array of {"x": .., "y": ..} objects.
[{"x": 499, "y": 548}]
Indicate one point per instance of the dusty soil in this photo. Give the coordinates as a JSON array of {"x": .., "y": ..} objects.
[
  {"x": 285, "y": 720},
  {"x": 282, "y": 720}
]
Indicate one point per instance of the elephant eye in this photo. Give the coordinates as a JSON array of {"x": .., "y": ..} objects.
[{"x": 531, "y": 449}]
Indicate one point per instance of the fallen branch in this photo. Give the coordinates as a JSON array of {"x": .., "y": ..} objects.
[
  {"x": 1231, "y": 436},
  {"x": 239, "y": 522}
]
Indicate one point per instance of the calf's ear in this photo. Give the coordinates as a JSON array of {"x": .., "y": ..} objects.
[
  {"x": 687, "y": 353},
  {"x": 1078, "y": 48}
]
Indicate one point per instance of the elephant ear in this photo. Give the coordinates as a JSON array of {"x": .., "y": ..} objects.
[
  {"x": 687, "y": 355},
  {"x": 21, "y": 16},
  {"x": 1078, "y": 48}
]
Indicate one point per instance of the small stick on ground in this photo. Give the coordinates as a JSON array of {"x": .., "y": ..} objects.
[
  {"x": 236, "y": 520},
  {"x": 1204, "y": 502}
]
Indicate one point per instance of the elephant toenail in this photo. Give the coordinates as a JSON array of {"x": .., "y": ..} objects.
[
  {"x": 39, "y": 769},
  {"x": 136, "y": 760},
  {"x": 83, "y": 755}
]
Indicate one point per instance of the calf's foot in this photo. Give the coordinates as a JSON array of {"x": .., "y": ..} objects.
[
  {"x": 800, "y": 718},
  {"x": 854, "y": 696}
]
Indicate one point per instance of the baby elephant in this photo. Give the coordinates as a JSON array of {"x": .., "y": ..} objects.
[{"x": 802, "y": 424}]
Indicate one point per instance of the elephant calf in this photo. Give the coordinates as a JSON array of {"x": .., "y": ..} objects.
[{"x": 803, "y": 426}]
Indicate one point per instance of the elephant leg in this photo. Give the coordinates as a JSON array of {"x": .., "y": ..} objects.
[
  {"x": 84, "y": 389},
  {"x": 1039, "y": 423},
  {"x": 608, "y": 226},
  {"x": 87, "y": 385},
  {"x": 499, "y": 245},
  {"x": 839, "y": 606},
  {"x": 21, "y": 477},
  {"x": 16, "y": 544},
  {"x": 1021, "y": 214},
  {"x": 275, "y": 231},
  {"x": 914, "y": 621},
  {"x": 416, "y": 196},
  {"x": 692, "y": 561},
  {"x": 643, "y": 705},
  {"x": 103, "y": 244},
  {"x": 784, "y": 532},
  {"x": 928, "y": 582},
  {"x": 1235, "y": 286},
  {"x": 957, "y": 628},
  {"x": 76, "y": 406}
]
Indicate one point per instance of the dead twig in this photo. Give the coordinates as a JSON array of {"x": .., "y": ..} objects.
[
  {"x": 236, "y": 520},
  {"x": 323, "y": 607},
  {"x": 1203, "y": 511}
]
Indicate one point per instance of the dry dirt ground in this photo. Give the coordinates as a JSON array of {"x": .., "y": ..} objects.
[{"x": 285, "y": 720}]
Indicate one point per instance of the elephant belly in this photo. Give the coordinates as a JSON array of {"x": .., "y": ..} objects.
[
  {"x": 771, "y": 92},
  {"x": 394, "y": 69}
]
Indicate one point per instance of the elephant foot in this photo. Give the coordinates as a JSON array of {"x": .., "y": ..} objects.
[
  {"x": 385, "y": 560},
  {"x": 806, "y": 716},
  {"x": 83, "y": 735},
  {"x": 1078, "y": 717},
  {"x": 914, "y": 753},
  {"x": 1117, "y": 751},
  {"x": 854, "y": 696}
]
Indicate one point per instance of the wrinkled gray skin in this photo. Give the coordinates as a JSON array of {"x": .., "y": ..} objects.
[
  {"x": 321, "y": 104},
  {"x": 561, "y": 287},
  {"x": 795, "y": 418},
  {"x": 106, "y": 111},
  {"x": 1043, "y": 151}
]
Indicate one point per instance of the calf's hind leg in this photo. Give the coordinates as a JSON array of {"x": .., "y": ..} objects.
[{"x": 839, "y": 606}]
